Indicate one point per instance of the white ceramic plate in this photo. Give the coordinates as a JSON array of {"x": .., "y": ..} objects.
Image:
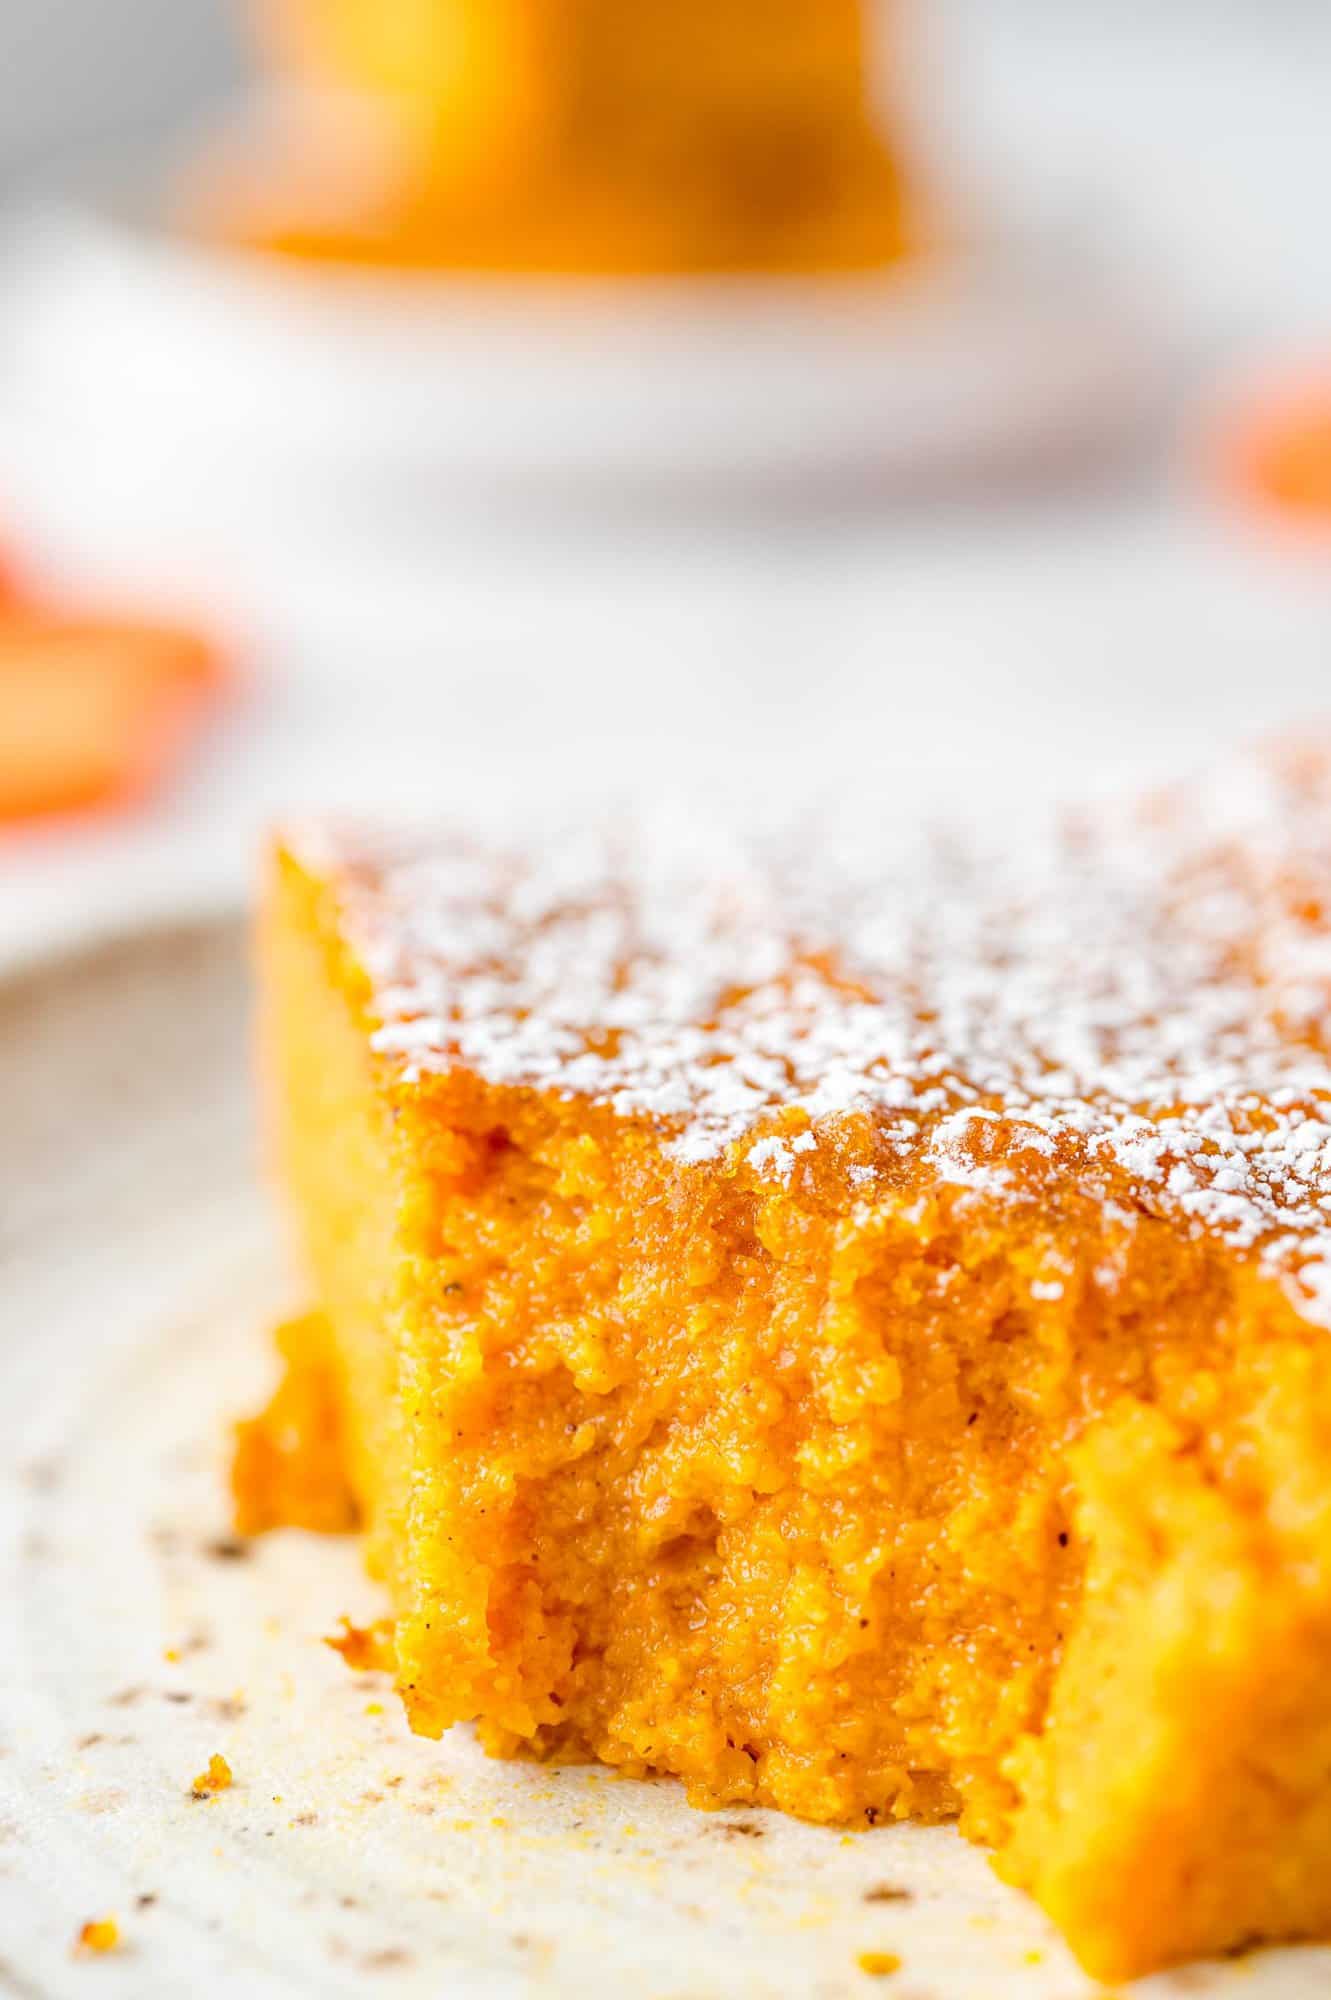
[
  {"x": 137, "y": 1274},
  {"x": 212, "y": 394}
]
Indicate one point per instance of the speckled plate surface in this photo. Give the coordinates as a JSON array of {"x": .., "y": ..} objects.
[{"x": 137, "y": 1274}]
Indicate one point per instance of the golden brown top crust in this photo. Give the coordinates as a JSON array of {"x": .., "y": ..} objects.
[{"x": 1138, "y": 997}]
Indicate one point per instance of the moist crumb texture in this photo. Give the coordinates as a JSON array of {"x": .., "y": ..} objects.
[{"x": 843, "y": 1320}]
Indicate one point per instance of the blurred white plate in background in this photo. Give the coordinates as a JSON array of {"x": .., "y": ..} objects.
[{"x": 202, "y": 395}]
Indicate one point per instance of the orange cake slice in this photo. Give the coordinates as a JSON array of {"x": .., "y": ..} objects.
[
  {"x": 846, "y": 1322},
  {"x": 611, "y": 138}
]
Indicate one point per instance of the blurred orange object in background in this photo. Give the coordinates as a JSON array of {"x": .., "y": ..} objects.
[
  {"x": 1279, "y": 452},
  {"x": 91, "y": 709},
  {"x": 568, "y": 136}
]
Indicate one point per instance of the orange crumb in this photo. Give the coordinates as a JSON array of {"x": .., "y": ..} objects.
[
  {"x": 363, "y": 1647},
  {"x": 878, "y": 1964},
  {"x": 98, "y": 1935},
  {"x": 217, "y": 1778}
]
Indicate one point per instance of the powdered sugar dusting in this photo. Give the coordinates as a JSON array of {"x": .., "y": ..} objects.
[{"x": 1140, "y": 995}]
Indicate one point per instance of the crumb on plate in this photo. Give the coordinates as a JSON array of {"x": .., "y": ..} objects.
[
  {"x": 216, "y": 1778},
  {"x": 363, "y": 1647},
  {"x": 97, "y": 1936}
]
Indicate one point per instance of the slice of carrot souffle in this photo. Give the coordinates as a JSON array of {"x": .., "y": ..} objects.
[{"x": 852, "y": 1333}]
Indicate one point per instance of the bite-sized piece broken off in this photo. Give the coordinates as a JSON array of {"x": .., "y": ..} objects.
[{"x": 847, "y": 1323}]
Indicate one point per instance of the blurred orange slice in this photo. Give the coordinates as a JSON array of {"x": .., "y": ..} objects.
[
  {"x": 91, "y": 710},
  {"x": 1280, "y": 453}
]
